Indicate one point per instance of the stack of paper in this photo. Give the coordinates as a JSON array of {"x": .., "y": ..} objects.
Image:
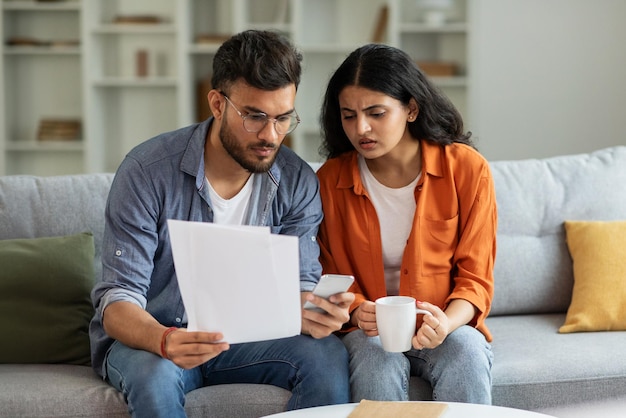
[{"x": 241, "y": 281}]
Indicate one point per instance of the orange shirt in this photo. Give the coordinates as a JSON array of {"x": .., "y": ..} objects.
[{"x": 451, "y": 249}]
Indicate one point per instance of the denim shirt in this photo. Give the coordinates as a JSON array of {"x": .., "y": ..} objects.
[{"x": 163, "y": 178}]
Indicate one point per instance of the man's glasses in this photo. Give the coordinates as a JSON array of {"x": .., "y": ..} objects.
[{"x": 255, "y": 122}]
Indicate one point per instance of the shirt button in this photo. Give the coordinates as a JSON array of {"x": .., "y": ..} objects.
[
  {"x": 178, "y": 319},
  {"x": 406, "y": 271},
  {"x": 118, "y": 252}
]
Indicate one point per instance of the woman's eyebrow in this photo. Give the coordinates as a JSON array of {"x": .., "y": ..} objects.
[{"x": 374, "y": 106}]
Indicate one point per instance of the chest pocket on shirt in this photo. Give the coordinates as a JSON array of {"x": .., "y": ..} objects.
[{"x": 440, "y": 239}]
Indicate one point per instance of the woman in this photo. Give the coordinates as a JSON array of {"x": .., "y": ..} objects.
[{"x": 409, "y": 209}]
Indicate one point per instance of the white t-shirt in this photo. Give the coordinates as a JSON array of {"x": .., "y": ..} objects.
[
  {"x": 395, "y": 209},
  {"x": 231, "y": 211}
]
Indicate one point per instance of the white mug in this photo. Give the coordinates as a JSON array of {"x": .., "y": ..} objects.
[{"x": 395, "y": 320}]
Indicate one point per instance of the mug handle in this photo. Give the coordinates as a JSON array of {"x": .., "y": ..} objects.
[{"x": 422, "y": 311}]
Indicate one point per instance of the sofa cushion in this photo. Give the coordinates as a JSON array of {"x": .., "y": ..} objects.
[
  {"x": 533, "y": 269},
  {"x": 534, "y": 366},
  {"x": 45, "y": 305},
  {"x": 62, "y": 390},
  {"x": 598, "y": 250}
]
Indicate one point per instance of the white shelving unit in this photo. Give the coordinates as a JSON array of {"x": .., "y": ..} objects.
[
  {"x": 326, "y": 34},
  {"x": 446, "y": 42},
  {"x": 120, "y": 106},
  {"x": 126, "y": 106},
  {"x": 41, "y": 70}
]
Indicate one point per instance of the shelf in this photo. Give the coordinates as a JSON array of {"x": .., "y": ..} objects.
[
  {"x": 450, "y": 81},
  {"x": 135, "y": 28},
  {"x": 135, "y": 82},
  {"x": 328, "y": 48},
  {"x": 41, "y": 6},
  {"x": 280, "y": 27},
  {"x": 41, "y": 50},
  {"x": 206, "y": 48},
  {"x": 459, "y": 27},
  {"x": 44, "y": 146}
]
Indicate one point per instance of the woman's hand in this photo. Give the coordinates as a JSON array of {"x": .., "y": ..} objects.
[
  {"x": 436, "y": 328},
  {"x": 364, "y": 318}
]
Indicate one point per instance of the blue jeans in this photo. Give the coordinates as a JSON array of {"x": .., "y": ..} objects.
[
  {"x": 314, "y": 370},
  {"x": 459, "y": 370}
]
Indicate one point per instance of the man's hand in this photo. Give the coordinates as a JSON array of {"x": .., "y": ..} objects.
[
  {"x": 320, "y": 325},
  {"x": 191, "y": 349},
  {"x": 136, "y": 328}
]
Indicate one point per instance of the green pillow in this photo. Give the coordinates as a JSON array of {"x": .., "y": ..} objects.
[{"x": 45, "y": 304}]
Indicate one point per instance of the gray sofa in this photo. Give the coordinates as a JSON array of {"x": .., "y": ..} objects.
[{"x": 535, "y": 367}]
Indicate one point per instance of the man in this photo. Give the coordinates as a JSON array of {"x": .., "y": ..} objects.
[{"x": 228, "y": 169}]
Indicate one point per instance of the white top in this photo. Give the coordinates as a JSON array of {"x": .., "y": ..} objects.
[
  {"x": 231, "y": 211},
  {"x": 395, "y": 209}
]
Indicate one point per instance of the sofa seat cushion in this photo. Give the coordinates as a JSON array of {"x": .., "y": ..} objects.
[
  {"x": 58, "y": 390},
  {"x": 536, "y": 366}
]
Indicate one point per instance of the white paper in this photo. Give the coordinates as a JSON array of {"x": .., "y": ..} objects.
[{"x": 241, "y": 281}]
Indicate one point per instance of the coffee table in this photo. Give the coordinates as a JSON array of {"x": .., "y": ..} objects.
[{"x": 455, "y": 410}]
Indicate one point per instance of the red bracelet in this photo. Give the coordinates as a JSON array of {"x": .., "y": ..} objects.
[{"x": 163, "y": 339}]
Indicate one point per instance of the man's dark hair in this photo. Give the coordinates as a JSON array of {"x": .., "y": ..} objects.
[{"x": 263, "y": 59}]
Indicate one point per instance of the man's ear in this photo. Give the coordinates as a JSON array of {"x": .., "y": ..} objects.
[{"x": 216, "y": 103}]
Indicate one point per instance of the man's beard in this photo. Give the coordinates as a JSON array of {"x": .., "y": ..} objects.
[{"x": 238, "y": 153}]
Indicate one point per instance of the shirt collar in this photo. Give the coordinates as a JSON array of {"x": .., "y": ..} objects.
[
  {"x": 432, "y": 158},
  {"x": 192, "y": 162},
  {"x": 349, "y": 176}
]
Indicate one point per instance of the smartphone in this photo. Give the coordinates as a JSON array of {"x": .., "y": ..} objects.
[{"x": 328, "y": 285}]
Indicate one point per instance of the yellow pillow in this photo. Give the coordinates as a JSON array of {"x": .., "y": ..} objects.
[{"x": 598, "y": 250}]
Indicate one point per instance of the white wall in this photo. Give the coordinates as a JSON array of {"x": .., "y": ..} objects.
[{"x": 548, "y": 76}]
